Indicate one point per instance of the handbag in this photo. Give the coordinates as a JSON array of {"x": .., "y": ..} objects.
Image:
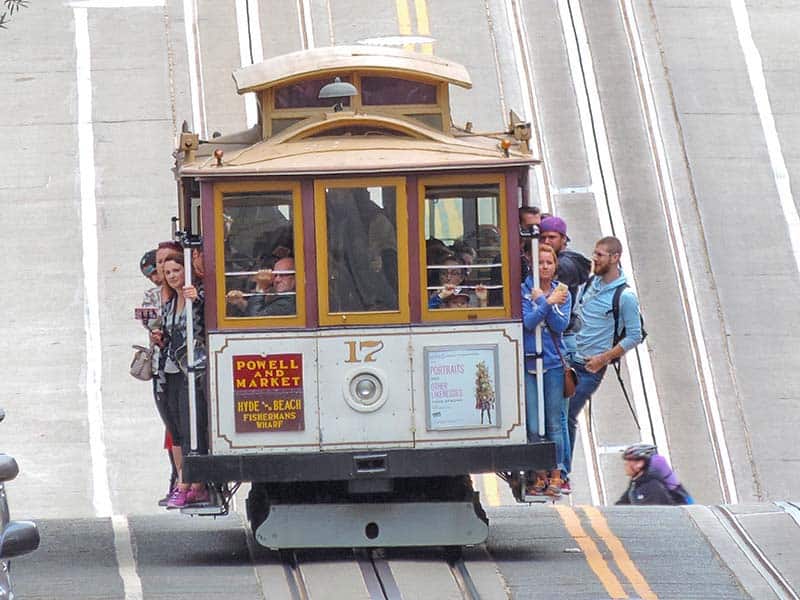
[
  {"x": 570, "y": 376},
  {"x": 142, "y": 363}
]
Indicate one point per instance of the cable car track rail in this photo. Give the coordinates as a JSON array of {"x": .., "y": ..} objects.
[{"x": 765, "y": 567}]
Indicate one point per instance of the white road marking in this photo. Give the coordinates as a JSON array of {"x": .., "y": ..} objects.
[
  {"x": 94, "y": 367},
  {"x": 597, "y": 492},
  {"x": 755, "y": 71},
  {"x": 705, "y": 375},
  {"x": 131, "y": 584},
  {"x": 530, "y": 104},
  {"x": 117, "y": 3},
  {"x": 607, "y": 201},
  {"x": 101, "y": 494},
  {"x": 251, "y": 50},
  {"x": 195, "y": 67},
  {"x": 397, "y": 40},
  {"x": 306, "y": 24}
]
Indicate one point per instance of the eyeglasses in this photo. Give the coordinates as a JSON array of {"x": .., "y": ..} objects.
[{"x": 597, "y": 254}]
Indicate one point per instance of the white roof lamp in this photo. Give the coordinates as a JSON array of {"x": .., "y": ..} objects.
[{"x": 338, "y": 89}]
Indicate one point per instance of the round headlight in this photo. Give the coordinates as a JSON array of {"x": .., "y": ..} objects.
[{"x": 366, "y": 388}]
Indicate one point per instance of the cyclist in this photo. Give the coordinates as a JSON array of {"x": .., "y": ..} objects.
[{"x": 652, "y": 479}]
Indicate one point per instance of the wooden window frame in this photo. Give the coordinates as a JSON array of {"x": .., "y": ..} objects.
[
  {"x": 382, "y": 317},
  {"x": 471, "y": 313},
  {"x": 223, "y": 320}
]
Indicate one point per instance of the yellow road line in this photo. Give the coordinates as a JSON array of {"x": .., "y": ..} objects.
[
  {"x": 423, "y": 26},
  {"x": 593, "y": 556},
  {"x": 624, "y": 562},
  {"x": 404, "y": 20},
  {"x": 490, "y": 489}
]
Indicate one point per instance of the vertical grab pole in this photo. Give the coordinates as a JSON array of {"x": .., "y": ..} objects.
[
  {"x": 538, "y": 334},
  {"x": 187, "y": 260}
]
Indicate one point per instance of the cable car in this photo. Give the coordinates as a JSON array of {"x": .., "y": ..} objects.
[{"x": 363, "y": 342}]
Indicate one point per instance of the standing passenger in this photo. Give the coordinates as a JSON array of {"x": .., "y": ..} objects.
[
  {"x": 175, "y": 373},
  {"x": 573, "y": 270},
  {"x": 595, "y": 339},
  {"x": 548, "y": 305}
]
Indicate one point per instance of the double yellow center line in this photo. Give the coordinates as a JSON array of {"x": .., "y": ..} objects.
[
  {"x": 594, "y": 556},
  {"x": 423, "y": 25}
]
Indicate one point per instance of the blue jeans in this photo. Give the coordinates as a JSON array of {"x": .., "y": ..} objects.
[
  {"x": 587, "y": 385},
  {"x": 555, "y": 411}
]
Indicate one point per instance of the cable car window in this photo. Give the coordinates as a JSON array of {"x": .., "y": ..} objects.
[
  {"x": 260, "y": 278},
  {"x": 382, "y": 91},
  {"x": 304, "y": 94},
  {"x": 463, "y": 247},
  {"x": 362, "y": 249}
]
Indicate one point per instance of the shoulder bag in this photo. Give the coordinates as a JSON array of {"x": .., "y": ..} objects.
[
  {"x": 142, "y": 363},
  {"x": 570, "y": 376}
]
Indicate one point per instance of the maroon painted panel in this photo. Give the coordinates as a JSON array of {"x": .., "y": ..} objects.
[
  {"x": 209, "y": 255},
  {"x": 512, "y": 215},
  {"x": 310, "y": 253},
  {"x": 414, "y": 288}
]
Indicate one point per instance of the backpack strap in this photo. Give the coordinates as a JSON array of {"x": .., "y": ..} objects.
[{"x": 615, "y": 310}]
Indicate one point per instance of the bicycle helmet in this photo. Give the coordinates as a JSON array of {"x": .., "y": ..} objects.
[
  {"x": 640, "y": 451},
  {"x": 147, "y": 264}
]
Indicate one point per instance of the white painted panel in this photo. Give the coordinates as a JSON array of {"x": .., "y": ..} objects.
[
  {"x": 381, "y": 353},
  {"x": 508, "y": 383},
  {"x": 222, "y": 350}
]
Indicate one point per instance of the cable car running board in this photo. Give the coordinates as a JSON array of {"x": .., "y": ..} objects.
[{"x": 371, "y": 525}]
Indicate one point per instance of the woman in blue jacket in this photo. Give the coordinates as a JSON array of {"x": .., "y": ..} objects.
[{"x": 548, "y": 305}]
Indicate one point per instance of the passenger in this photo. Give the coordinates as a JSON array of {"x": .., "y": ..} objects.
[
  {"x": 164, "y": 251},
  {"x": 274, "y": 293},
  {"x": 152, "y": 300},
  {"x": 174, "y": 370},
  {"x": 197, "y": 264},
  {"x": 528, "y": 217},
  {"x": 547, "y": 305},
  {"x": 452, "y": 282},
  {"x": 466, "y": 254},
  {"x": 573, "y": 270},
  {"x": 652, "y": 480},
  {"x": 595, "y": 338}
]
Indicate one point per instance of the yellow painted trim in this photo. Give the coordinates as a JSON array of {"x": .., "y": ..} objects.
[
  {"x": 471, "y": 313},
  {"x": 624, "y": 562},
  {"x": 321, "y": 229},
  {"x": 226, "y": 322},
  {"x": 592, "y": 553}
]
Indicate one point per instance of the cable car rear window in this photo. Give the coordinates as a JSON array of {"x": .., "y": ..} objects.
[
  {"x": 260, "y": 279},
  {"x": 383, "y": 91},
  {"x": 463, "y": 247},
  {"x": 362, "y": 249},
  {"x": 305, "y": 94}
]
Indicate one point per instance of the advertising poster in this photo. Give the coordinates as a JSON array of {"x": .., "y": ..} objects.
[
  {"x": 268, "y": 393},
  {"x": 460, "y": 386}
]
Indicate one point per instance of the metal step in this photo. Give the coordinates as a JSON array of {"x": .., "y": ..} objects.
[{"x": 371, "y": 525}]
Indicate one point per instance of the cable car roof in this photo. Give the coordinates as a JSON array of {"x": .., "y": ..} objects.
[
  {"x": 340, "y": 59},
  {"x": 397, "y": 144}
]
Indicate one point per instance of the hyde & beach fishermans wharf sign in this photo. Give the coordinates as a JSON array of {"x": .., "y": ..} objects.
[{"x": 268, "y": 393}]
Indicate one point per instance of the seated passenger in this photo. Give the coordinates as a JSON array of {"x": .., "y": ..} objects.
[
  {"x": 452, "y": 280},
  {"x": 274, "y": 294}
]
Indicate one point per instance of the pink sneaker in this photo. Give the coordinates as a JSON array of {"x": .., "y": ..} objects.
[
  {"x": 178, "y": 498},
  {"x": 197, "y": 496}
]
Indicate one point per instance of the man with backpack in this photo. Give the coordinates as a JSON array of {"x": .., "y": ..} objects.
[{"x": 610, "y": 325}]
